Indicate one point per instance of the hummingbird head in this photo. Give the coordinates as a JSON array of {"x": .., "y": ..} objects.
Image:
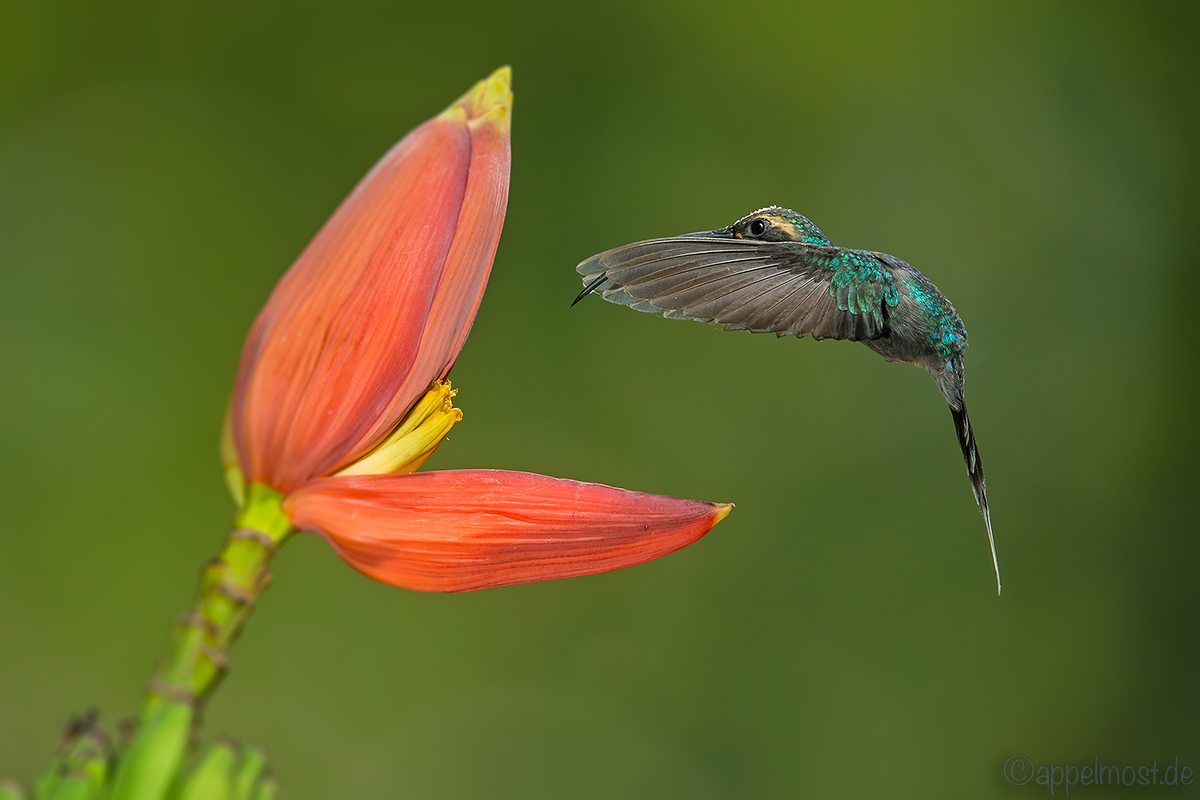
[{"x": 777, "y": 224}]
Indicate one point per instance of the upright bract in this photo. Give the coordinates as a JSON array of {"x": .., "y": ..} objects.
[{"x": 379, "y": 304}]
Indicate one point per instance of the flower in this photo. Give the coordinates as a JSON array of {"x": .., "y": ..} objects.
[{"x": 341, "y": 391}]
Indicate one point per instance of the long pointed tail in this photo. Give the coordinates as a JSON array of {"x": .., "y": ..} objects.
[{"x": 970, "y": 451}]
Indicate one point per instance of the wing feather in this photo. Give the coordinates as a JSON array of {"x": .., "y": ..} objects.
[
  {"x": 729, "y": 304},
  {"x": 686, "y": 288},
  {"x": 787, "y": 316},
  {"x": 707, "y": 300},
  {"x": 760, "y": 317},
  {"x": 781, "y": 287}
]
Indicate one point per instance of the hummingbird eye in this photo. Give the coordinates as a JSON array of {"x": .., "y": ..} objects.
[{"x": 758, "y": 227}]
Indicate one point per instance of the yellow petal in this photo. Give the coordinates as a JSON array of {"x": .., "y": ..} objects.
[{"x": 415, "y": 438}]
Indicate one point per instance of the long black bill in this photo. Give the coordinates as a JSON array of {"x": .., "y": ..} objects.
[
  {"x": 591, "y": 287},
  {"x": 587, "y": 268}
]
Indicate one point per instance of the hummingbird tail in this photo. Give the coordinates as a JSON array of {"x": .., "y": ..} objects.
[{"x": 970, "y": 451}]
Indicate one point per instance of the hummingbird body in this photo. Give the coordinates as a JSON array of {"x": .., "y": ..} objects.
[{"x": 773, "y": 271}]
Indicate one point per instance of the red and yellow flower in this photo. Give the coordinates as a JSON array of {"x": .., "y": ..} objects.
[{"x": 341, "y": 392}]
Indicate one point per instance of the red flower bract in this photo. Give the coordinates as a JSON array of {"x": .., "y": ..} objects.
[
  {"x": 472, "y": 529},
  {"x": 373, "y": 313},
  {"x": 379, "y": 303}
]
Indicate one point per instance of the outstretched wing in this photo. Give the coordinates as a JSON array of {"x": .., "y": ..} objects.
[{"x": 742, "y": 284}]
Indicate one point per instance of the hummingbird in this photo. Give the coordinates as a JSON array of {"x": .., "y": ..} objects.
[{"x": 773, "y": 271}]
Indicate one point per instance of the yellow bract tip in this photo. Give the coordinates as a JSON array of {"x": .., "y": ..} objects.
[
  {"x": 723, "y": 511},
  {"x": 490, "y": 98}
]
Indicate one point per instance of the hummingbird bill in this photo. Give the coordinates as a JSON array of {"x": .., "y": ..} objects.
[{"x": 773, "y": 271}]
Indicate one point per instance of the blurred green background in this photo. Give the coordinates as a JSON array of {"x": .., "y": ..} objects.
[{"x": 839, "y": 635}]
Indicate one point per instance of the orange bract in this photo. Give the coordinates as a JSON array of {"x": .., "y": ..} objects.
[
  {"x": 377, "y": 306},
  {"x": 472, "y": 529}
]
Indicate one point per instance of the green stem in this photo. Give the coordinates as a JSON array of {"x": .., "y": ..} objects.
[{"x": 197, "y": 656}]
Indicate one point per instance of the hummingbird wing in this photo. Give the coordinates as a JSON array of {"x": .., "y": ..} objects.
[{"x": 786, "y": 288}]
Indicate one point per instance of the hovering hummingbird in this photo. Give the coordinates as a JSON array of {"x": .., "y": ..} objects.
[{"x": 773, "y": 271}]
